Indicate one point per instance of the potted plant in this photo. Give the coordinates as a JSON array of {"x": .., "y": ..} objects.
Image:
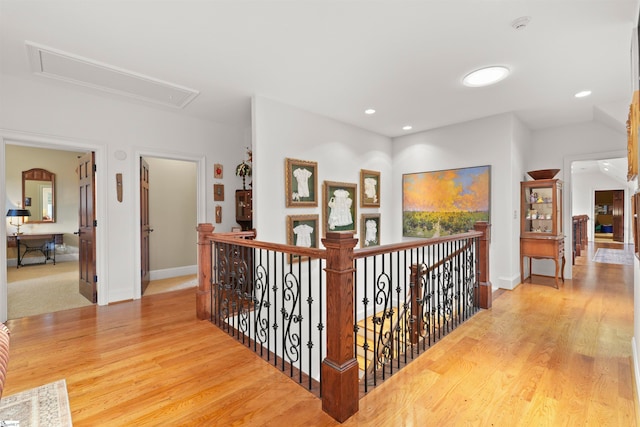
[{"x": 244, "y": 169}]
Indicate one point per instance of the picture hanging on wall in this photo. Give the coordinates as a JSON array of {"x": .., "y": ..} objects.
[
  {"x": 339, "y": 206},
  {"x": 369, "y": 189},
  {"x": 217, "y": 171},
  {"x": 302, "y": 231},
  {"x": 446, "y": 202},
  {"x": 218, "y": 192},
  {"x": 370, "y": 230},
  {"x": 301, "y": 183}
]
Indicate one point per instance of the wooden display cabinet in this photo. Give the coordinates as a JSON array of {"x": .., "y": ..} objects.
[
  {"x": 541, "y": 234},
  {"x": 244, "y": 209}
]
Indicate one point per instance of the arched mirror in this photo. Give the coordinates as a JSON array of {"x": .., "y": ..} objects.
[{"x": 39, "y": 195}]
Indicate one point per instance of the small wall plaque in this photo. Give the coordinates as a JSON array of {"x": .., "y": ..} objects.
[
  {"x": 218, "y": 192},
  {"x": 217, "y": 171}
]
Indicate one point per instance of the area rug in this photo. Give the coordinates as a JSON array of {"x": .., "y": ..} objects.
[
  {"x": 44, "y": 406},
  {"x": 613, "y": 256}
]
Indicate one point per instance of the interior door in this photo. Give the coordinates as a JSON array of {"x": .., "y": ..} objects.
[
  {"x": 618, "y": 215},
  {"x": 145, "y": 228},
  {"x": 87, "y": 227}
]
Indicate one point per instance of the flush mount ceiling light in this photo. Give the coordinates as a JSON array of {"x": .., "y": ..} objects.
[
  {"x": 582, "y": 94},
  {"x": 485, "y": 76},
  {"x": 369, "y": 111},
  {"x": 407, "y": 127}
]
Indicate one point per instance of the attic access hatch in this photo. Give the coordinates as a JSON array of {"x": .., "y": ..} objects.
[{"x": 52, "y": 63}]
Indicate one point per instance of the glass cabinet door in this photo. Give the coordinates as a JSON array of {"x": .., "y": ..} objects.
[{"x": 541, "y": 207}]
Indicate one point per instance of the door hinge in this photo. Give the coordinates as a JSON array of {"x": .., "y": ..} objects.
[
  {"x": 95, "y": 279},
  {"x": 95, "y": 167},
  {"x": 95, "y": 222}
]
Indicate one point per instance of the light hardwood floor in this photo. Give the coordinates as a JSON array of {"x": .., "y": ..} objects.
[{"x": 540, "y": 357}]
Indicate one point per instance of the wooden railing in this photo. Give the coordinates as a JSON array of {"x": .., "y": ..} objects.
[
  {"x": 300, "y": 307},
  {"x": 580, "y": 237}
]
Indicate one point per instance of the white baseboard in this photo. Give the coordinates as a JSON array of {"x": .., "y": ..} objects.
[
  {"x": 173, "y": 272},
  {"x": 508, "y": 283},
  {"x": 636, "y": 367}
]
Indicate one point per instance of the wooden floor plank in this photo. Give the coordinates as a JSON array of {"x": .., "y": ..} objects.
[{"x": 540, "y": 357}]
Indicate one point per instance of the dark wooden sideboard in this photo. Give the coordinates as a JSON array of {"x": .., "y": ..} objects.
[{"x": 42, "y": 243}]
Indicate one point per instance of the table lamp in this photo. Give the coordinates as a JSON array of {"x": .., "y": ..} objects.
[{"x": 20, "y": 213}]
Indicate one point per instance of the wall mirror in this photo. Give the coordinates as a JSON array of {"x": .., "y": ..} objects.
[{"x": 38, "y": 195}]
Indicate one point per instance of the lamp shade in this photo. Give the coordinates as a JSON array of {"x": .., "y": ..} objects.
[{"x": 18, "y": 212}]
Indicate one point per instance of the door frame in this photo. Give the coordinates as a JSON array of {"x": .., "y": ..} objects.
[
  {"x": 10, "y": 137},
  {"x": 201, "y": 209},
  {"x": 567, "y": 177}
]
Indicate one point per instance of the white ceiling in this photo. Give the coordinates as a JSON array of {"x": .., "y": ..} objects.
[{"x": 336, "y": 58}]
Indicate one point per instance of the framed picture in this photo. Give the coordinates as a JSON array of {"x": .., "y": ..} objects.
[
  {"x": 369, "y": 189},
  {"x": 369, "y": 230},
  {"x": 445, "y": 202},
  {"x": 217, "y": 171},
  {"x": 339, "y": 206},
  {"x": 302, "y": 230},
  {"x": 218, "y": 192},
  {"x": 301, "y": 183}
]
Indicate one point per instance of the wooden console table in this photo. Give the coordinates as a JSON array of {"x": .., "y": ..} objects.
[
  {"x": 548, "y": 247},
  {"x": 44, "y": 243}
]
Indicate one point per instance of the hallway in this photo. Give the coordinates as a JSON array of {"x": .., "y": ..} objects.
[{"x": 540, "y": 356}]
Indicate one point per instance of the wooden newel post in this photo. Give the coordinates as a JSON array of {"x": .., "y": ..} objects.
[
  {"x": 340, "y": 392},
  {"x": 203, "y": 293},
  {"x": 483, "y": 262}
]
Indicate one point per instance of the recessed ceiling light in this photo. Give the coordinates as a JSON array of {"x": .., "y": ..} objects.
[
  {"x": 485, "y": 76},
  {"x": 582, "y": 94},
  {"x": 369, "y": 111},
  {"x": 407, "y": 127}
]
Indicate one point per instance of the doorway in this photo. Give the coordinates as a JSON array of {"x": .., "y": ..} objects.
[
  {"x": 62, "y": 158},
  {"x": 168, "y": 219},
  {"x": 608, "y": 216}
]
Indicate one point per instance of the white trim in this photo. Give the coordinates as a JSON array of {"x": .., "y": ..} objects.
[
  {"x": 636, "y": 368},
  {"x": 168, "y": 273},
  {"x": 13, "y": 137},
  {"x": 200, "y": 162},
  {"x": 567, "y": 195}
]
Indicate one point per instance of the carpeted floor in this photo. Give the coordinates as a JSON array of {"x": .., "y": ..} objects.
[
  {"x": 42, "y": 289},
  {"x": 613, "y": 256},
  {"x": 48, "y": 288},
  {"x": 44, "y": 406}
]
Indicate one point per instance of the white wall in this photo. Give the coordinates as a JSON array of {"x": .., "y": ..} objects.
[
  {"x": 49, "y": 112},
  {"x": 487, "y": 141},
  {"x": 341, "y": 150},
  {"x": 172, "y": 213}
]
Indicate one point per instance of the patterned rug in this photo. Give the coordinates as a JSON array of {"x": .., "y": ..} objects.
[
  {"x": 44, "y": 406},
  {"x": 613, "y": 256}
]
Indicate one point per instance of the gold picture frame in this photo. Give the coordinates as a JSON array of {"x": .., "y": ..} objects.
[
  {"x": 301, "y": 183},
  {"x": 369, "y": 189},
  {"x": 339, "y": 208},
  {"x": 302, "y": 230},
  {"x": 369, "y": 230}
]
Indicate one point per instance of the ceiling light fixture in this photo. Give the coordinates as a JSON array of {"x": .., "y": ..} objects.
[
  {"x": 485, "y": 76},
  {"x": 582, "y": 94},
  {"x": 369, "y": 111},
  {"x": 521, "y": 23},
  {"x": 407, "y": 127}
]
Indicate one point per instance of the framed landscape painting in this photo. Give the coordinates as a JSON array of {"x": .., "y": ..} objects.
[
  {"x": 339, "y": 206},
  {"x": 446, "y": 202}
]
